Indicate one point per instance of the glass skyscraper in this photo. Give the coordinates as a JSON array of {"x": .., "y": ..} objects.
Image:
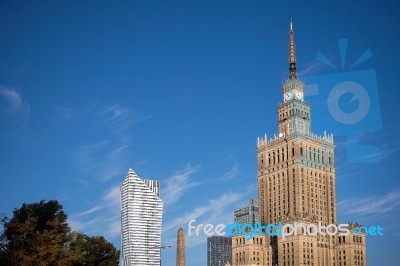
[
  {"x": 247, "y": 214},
  {"x": 141, "y": 215},
  {"x": 219, "y": 250}
]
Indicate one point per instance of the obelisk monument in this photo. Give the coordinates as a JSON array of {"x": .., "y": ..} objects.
[{"x": 180, "y": 248}]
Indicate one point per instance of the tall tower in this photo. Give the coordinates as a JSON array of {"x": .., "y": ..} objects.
[
  {"x": 296, "y": 174},
  {"x": 180, "y": 248},
  {"x": 296, "y": 184},
  {"x": 141, "y": 214}
]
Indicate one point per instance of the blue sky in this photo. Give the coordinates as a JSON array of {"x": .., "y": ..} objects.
[{"x": 179, "y": 91}]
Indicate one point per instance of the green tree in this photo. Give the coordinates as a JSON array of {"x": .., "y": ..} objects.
[
  {"x": 75, "y": 249},
  {"x": 35, "y": 235},
  {"x": 38, "y": 234},
  {"x": 99, "y": 251},
  {"x": 84, "y": 250}
]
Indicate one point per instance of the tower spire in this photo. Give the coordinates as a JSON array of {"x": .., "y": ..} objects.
[{"x": 292, "y": 54}]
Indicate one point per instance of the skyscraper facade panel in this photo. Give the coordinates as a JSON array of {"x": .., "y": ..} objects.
[
  {"x": 247, "y": 214},
  {"x": 141, "y": 216},
  {"x": 219, "y": 250}
]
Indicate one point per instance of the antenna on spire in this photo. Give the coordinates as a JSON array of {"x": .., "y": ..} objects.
[{"x": 292, "y": 54}]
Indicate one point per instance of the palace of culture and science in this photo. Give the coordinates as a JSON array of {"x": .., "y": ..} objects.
[{"x": 296, "y": 184}]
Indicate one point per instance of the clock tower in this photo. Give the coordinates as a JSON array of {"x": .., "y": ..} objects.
[
  {"x": 297, "y": 185},
  {"x": 294, "y": 112}
]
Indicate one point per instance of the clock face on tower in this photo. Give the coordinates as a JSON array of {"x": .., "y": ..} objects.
[
  {"x": 288, "y": 96},
  {"x": 299, "y": 95}
]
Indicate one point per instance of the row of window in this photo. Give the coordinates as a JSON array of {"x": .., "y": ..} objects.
[
  {"x": 292, "y": 112},
  {"x": 278, "y": 156}
]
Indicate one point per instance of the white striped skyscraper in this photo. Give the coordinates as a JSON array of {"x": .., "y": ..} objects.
[{"x": 141, "y": 215}]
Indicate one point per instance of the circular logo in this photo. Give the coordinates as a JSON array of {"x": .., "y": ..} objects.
[{"x": 359, "y": 93}]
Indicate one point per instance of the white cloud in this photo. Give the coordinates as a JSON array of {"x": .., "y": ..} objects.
[
  {"x": 113, "y": 196},
  {"x": 15, "y": 104},
  {"x": 83, "y": 184},
  {"x": 14, "y": 99},
  {"x": 102, "y": 219},
  {"x": 64, "y": 112},
  {"x": 118, "y": 118},
  {"x": 371, "y": 206},
  {"x": 214, "y": 211},
  {"x": 92, "y": 210},
  {"x": 178, "y": 184},
  {"x": 311, "y": 68},
  {"x": 232, "y": 173},
  {"x": 108, "y": 158},
  {"x": 388, "y": 146},
  {"x": 103, "y": 159}
]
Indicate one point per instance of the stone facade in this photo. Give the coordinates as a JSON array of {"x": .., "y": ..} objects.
[{"x": 296, "y": 184}]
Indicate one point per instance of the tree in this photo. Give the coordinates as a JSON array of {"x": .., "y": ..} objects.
[
  {"x": 75, "y": 248},
  {"x": 99, "y": 251},
  {"x": 84, "y": 250},
  {"x": 38, "y": 234},
  {"x": 35, "y": 235}
]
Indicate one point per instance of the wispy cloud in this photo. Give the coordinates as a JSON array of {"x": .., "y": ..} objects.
[
  {"x": 91, "y": 210},
  {"x": 317, "y": 66},
  {"x": 232, "y": 173},
  {"x": 107, "y": 158},
  {"x": 15, "y": 101},
  {"x": 214, "y": 211},
  {"x": 117, "y": 118},
  {"x": 384, "y": 144},
  {"x": 113, "y": 196},
  {"x": 104, "y": 159},
  {"x": 83, "y": 184},
  {"x": 101, "y": 219},
  {"x": 14, "y": 105},
  {"x": 64, "y": 112},
  {"x": 371, "y": 206},
  {"x": 355, "y": 173},
  {"x": 178, "y": 184},
  {"x": 311, "y": 68},
  {"x": 390, "y": 149}
]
